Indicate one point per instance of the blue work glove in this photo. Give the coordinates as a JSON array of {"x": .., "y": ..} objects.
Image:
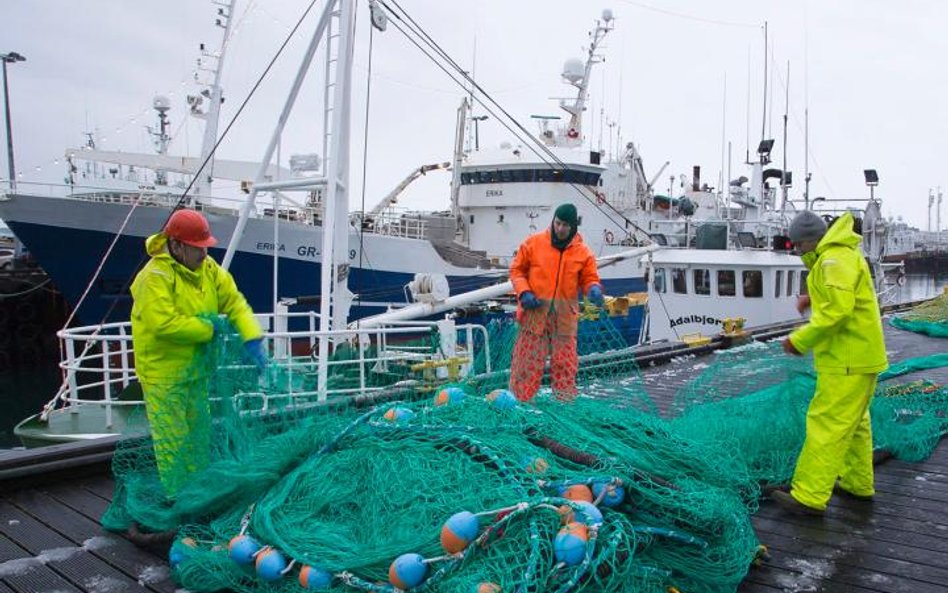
[
  {"x": 595, "y": 295},
  {"x": 528, "y": 300},
  {"x": 253, "y": 350}
]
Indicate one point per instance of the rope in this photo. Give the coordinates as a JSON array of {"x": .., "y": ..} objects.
[{"x": 27, "y": 291}]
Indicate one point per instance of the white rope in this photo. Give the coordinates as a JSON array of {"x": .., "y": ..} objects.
[{"x": 105, "y": 257}]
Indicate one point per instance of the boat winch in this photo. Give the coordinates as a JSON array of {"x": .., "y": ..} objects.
[{"x": 429, "y": 288}]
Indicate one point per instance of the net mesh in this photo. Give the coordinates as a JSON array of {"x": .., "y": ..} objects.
[
  {"x": 455, "y": 485},
  {"x": 929, "y": 318}
]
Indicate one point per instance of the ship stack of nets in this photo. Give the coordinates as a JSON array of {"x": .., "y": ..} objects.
[
  {"x": 929, "y": 318},
  {"x": 460, "y": 487}
]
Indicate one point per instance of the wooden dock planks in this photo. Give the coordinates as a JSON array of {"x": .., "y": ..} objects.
[{"x": 50, "y": 540}]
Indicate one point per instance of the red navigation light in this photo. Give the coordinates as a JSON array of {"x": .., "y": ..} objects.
[{"x": 782, "y": 243}]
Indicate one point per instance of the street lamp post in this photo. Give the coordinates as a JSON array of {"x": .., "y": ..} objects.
[
  {"x": 872, "y": 180},
  {"x": 10, "y": 58}
]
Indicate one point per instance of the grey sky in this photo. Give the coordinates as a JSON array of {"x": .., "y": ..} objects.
[{"x": 872, "y": 70}]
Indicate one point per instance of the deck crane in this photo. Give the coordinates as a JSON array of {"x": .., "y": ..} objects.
[
  {"x": 392, "y": 196},
  {"x": 651, "y": 182}
]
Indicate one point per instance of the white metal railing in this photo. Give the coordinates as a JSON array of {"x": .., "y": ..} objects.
[
  {"x": 98, "y": 362},
  {"x": 169, "y": 197},
  {"x": 392, "y": 222},
  {"x": 682, "y": 233}
]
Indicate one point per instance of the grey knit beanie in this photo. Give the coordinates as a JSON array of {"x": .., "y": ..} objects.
[{"x": 807, "y": 226}]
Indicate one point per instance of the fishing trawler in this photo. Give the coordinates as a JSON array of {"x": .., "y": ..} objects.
[
  {"x": 443, "y": 261},
  {"x": 694, "y": 482},
  {"x": 112, "y": 201}
]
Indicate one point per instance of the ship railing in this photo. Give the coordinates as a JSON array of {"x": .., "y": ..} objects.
[
  {"x": 392, "y": 223},
  {"x": 98, "y": 363},
  {"x": 683, "y": 233},
  {"x": 169, "y": 197}
]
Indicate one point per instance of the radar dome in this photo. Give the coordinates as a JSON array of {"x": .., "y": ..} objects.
[
  {"x": 573, "y": 70},
  {"x": 607, "y": 15},
  {"x": 161, "y": 103}
]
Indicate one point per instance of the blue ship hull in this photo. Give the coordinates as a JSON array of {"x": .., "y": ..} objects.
[{"x": 71, "y": 256}]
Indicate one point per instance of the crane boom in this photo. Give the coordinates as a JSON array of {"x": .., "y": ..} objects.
[
  {"x": 392, "y": 196},
  {"x": 651, "y": 182}
]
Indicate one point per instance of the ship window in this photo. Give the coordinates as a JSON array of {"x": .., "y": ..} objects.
[
  {"x": 753, "y": 281},
  {"x": 778, "y": 281},
  {"x": 659, "y": 279},
  {"x": 679, "y": 281},
  {"x": 803, "y": 288},
  {"x": 532, "y": 176},
  {"x": 791, "y": 275},
  {"x": 702, "y": 282},
  {"x": 726, "y": 283},
  {"x": 472, "y": 219}
]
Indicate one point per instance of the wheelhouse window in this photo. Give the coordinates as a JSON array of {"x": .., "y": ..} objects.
[
  {"x": 791, "y": 276},
  {"x": 532, "y": 176},
  {"x": 702, "y": 279},
  {"x": 778, "y": 281},
  {"x": 659, "y": 280},
  {"x": 679, "y": 280},
  {"x": 726, "y": 283},
  {"x": 753, "y": 282},
  {"x": 803, "y": 288}
]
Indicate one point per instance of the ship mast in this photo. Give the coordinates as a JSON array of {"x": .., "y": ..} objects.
[
  {"x": 577, "y": 74},
  {"x": 211, "y": 63},
  {"x": 160, "y": 136}
]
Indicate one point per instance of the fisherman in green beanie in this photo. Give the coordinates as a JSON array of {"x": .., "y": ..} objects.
[{"x": 550, "y": 272}]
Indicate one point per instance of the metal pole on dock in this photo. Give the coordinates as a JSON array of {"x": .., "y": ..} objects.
[{"x": 10, "y": 58}]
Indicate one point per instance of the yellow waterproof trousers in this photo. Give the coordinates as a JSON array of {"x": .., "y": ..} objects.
[
  {"x": 838, "y": 440},
  {"x": 180, "y": 421}
]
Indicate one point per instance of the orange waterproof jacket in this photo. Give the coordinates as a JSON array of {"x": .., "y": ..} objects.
[{"x": 558, "y": 278}]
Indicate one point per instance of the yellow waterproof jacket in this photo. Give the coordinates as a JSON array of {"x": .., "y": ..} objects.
[
  {"x": 845, "y": 328},
  {"x": 168, "y": 297},
  {"x": 558, "y": 278}
]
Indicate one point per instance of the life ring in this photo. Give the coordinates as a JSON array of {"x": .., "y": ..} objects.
[
  {"x": 900, "y": 279},
  {"x": 572, "y": 133},
  {"x": 609, "y": 237}
]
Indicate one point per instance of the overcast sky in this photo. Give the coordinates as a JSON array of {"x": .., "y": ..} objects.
[{"x": 871, "y": 71}]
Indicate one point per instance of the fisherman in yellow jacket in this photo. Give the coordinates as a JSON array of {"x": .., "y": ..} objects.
[
  {"x": 845, "y": 334},
  {"x": 175, "y": 296}
]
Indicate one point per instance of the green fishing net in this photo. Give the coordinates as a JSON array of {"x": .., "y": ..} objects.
[
  {"x": 443, "y": 481},
  {"x": 929, "y": 318}
]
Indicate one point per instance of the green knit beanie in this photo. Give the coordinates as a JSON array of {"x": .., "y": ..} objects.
[{"x": 567, "y": 213}]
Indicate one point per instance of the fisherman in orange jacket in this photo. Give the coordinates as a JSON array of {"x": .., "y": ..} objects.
[{"x": 548, "y": 273}]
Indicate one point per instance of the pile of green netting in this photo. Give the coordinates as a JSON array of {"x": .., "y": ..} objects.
[
  {"x": 451, "y": 486},
  {"x": 929, "y": 318}
]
